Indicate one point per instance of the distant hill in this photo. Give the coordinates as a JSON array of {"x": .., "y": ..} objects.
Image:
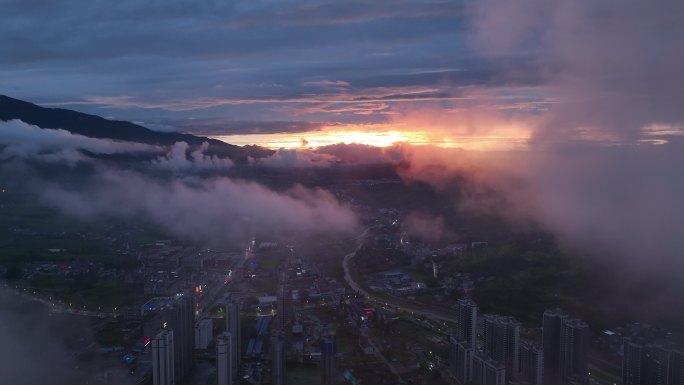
[{"x": 98, "y": 127}]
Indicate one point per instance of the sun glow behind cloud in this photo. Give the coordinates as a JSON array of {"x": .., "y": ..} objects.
[
  {"x": 325, "y": 138},
  {"x": 505, "y": 138}
]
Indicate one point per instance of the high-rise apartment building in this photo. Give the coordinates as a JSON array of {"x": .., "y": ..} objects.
[
  {"x": 531, "y": 358},
  {"x": 651, "y": 364},
  {"x": 632, "y": 362},
  {"x": 487, "y": 371},
  {"x": 328, "y": 364},
  {"x": 461, "y": 360},
  {"x": 284, "y": 307},
  {"x": 203, "y": 333},
  {"x": 501, "y": 337},
  {"x": 574, "y": 347},
  {"x": 163, "y": 372},
  {"x": 466, "y": 330},
  {"x": 675, "y": 370},
  {"x": 278, "y": 358},
  {"x": 551, "y": 335},
  {"x": 224, "y": 359},
  {"x": 566, "y": 348},
  {"x": 233, "y": 327},
  {"x": 175, "y": 313}
]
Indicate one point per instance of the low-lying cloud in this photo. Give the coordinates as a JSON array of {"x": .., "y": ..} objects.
[
  {"x": 212, "y": 210},
  {"x": 620, "y": 203},
  {"x": 296, "y": 158},
  {"x": 19, "y": 139},
  {"x": 425, "y": 227},
  {"x": 180, "y": 158}
]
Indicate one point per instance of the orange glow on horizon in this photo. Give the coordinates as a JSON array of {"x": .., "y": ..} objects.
[
  {"x": 503, "y": 139},
  {"x": 316, "y": 139}
]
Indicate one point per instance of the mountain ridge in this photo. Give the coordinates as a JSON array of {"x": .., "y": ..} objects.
[{"x": 95, "y": 126}]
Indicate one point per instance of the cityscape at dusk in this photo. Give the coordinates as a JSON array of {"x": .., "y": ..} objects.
[{"x": 427, "y": 192}]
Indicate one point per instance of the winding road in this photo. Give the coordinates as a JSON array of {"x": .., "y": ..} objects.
[{"x": 428, "y": 311}]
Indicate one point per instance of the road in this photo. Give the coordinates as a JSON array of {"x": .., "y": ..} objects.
[
  {"x": 207, "y": 302},
  {"x": 431, "y": 312},
  {"x": 57, "y": 307},
  {"x": 345, "y": 265}
]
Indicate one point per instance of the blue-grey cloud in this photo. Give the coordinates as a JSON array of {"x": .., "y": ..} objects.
[{"x": 244, "y": 60}]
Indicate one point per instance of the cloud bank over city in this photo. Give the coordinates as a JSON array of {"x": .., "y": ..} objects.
[{"x": 216, "y": 210}]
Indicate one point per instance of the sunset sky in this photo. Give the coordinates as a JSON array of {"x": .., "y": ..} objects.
[{"x": 476, "y": 74}]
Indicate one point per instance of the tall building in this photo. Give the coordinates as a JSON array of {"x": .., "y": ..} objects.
[
  {"x": 531, "y": 358},
  {"x": 574, "y": 347},
  {"x": 675, "y": 374},
  {"x": 656, "y": 361},
  {"x": 632, "y": 362},
  {"x": 175, "y": 313},
  {"x": 461, "y": 360},
  {"x": 328, "y": 364},
  {"x": 181, "y": 318},
  {"x": 204, "y": 333},
  {"x": 487, "y": 371},
  {"x": 233, "y": 327},
  {"x": 650, "y": 364},
  {"x": 466, "y": 329},
  {"x": 502, "y": 341},
  {"x": 464, "y": 341},
  {"x": 551, "y": 336},
  {"x": 224, "y": 359},
  {"x": 278, "y": 358},
  {"x": 163, "y": 358},
  {"x": 284, "y": 306}
]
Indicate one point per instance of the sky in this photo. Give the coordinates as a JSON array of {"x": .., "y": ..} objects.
[
  {"x": 421, "y": 71},
  {"x": 244, "y": 67}
]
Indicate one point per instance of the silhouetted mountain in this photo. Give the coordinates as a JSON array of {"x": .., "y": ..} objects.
[{"x": 97, "y": 127}]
